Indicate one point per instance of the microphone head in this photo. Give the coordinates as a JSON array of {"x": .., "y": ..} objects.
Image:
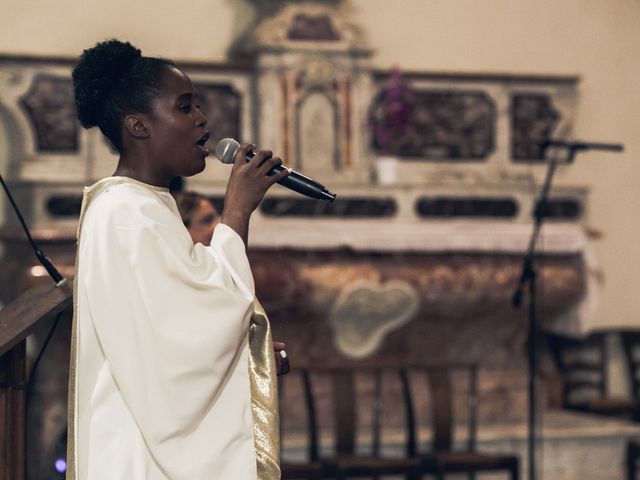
[{"x": 226, "y": 149}]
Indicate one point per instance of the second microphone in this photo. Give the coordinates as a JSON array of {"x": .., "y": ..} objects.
[{"x": 227, "y": 147}]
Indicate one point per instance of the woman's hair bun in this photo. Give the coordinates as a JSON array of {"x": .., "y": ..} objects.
[{"x": 99, "y": 70}]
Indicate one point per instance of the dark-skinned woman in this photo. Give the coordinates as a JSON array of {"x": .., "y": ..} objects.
[{"x": 172, "y": 369}]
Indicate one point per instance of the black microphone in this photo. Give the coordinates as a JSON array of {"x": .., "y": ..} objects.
[
  {"x": 576, "y": 145},
  {"x": 227, "y": 147}
]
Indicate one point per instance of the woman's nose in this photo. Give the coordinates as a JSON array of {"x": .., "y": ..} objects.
[{"x": 201, "y": 118}]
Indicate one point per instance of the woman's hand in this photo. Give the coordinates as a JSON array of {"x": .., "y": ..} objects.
[
  {"x": 282, "y": 360},
  {"x": 247, "y": 186}
]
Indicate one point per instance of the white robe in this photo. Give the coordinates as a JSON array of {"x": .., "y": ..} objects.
[{"x": 163, "y": 389}]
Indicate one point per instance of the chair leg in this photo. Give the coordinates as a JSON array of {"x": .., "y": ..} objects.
[
  {"x": 515, "y": 471},
  {"x": 631, "y": 461}
]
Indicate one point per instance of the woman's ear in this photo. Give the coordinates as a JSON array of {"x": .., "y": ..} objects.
[{"x": 135, "y": 125}]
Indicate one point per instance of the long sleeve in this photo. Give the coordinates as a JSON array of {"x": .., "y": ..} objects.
[{"x": 171, "y": 320}]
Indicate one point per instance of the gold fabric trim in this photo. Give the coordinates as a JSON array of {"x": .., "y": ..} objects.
[
  {"x": 264, "y": 396},
  {"x": 262, "y": 368}
]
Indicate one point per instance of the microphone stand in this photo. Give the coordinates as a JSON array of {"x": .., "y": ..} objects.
[
  {"x": 49, "y": 267},
  {"x": 528, "y": 279},
  {"x": 42, "y": 258}
]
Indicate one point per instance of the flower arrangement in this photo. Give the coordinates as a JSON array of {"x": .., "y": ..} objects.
[{"x": 391, "y": 115}]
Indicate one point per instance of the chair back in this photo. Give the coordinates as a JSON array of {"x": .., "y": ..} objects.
[
  {"x": 631, "y": 344},
  {"x": 582, "y": 365},
  {"x": 354, "y": 399},
  {"x": 443, "y": 399},
  {"x": 300, "y": 378},
  {"x": 344, "y": 410},
  {"x": 441, "y": 407}
]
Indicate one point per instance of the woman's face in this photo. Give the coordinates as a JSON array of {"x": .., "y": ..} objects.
[
  {"x": 177, "y": 128},
  {"x": 202, "y": 223}
]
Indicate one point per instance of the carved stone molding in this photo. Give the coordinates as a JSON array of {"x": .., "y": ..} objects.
[
  {"x": 448, "y": 125},
  {"x": 302, "y": 26},
  {"x": 533, "y": 120},
  {"x": 50, "y": 109},
  {"x": 403, "y": 307}
]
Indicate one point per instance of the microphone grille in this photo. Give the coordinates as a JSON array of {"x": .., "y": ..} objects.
[{"x": 226, "y": 149}]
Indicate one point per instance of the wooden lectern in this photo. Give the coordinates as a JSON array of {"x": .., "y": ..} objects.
[{"x": 17, "y": 321}]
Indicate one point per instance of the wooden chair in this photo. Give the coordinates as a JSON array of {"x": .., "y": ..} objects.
[
  {"x": 631, "y": 344},
  {"x": 312, "y": 468},
  {"x": 632, "y": 459},
  {"x": 443, "y": 458},
  {"x": 347, "y": 460},
  {"x": 582, "y": 364}
]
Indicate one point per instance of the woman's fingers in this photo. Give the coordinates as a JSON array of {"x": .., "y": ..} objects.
[
  {"x": 259, "y": 158},
  {"x": 262, "y": 161},
  {"x": 282, "y": 359},
  {"x": 240, "y": 158},
  {"x": 278, "y": 174}
]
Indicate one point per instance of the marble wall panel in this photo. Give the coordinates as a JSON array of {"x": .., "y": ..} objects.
[{"x": 51, "y": 112}]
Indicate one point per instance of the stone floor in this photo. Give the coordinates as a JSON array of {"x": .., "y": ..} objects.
[{"x": 573, "y": 446}]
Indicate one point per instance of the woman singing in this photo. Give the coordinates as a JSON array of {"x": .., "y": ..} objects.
[{"x": 172, "y": 369}]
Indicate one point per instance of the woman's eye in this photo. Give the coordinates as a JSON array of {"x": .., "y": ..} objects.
[{"x": 185, "y": 108}]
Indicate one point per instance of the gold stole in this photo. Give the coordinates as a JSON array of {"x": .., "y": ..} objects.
[
  {"x": 264, "y": 396},
  {"x": 262, "y": 368}
]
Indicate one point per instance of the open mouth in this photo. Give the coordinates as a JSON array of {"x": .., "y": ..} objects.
[{"x": 201, "y": 143}]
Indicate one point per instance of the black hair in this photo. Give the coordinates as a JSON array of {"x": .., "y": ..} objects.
[{"x": 113, "y": 79}]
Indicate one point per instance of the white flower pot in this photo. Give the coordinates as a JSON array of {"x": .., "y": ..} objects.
[{"x": 386, "y": 168}]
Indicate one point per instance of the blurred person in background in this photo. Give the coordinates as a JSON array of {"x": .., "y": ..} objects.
[{"x": 199, "y": 215}]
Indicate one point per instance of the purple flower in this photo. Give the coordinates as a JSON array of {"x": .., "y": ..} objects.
[{"x": 390, "y": 117}]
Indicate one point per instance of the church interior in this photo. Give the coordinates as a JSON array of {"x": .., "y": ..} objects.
[{"x": 466, "y": 304}]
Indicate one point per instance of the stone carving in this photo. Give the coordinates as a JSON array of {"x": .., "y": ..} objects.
[
  {"x": 448, "y": 125},
  {"x": 222, "y": 106},
  {"x": 365, "y": 312},
  {"x": 265, "y": 8},
  {"x": 312, "y": 27},
  {"x": 317, "y": 114},
  {"x": 50, "y": 108},
  {"x": 317, "y": 131},
  {"x": 316, "y": 74},
  {"x": 305, "y": 25},
  {"x": 10, "y": 78},
  {"x": 533, "y": 119}
]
